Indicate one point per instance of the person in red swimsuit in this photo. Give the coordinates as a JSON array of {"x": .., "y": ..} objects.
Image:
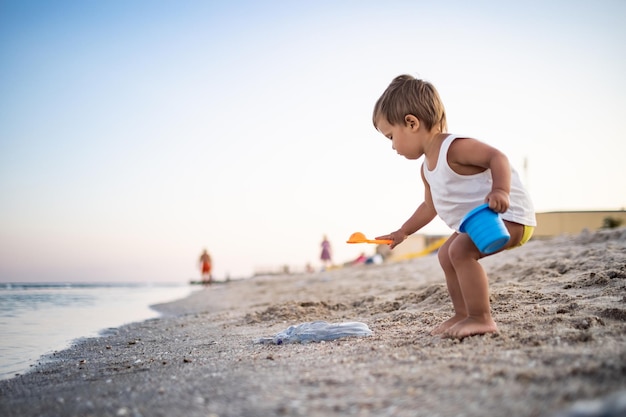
[{"x": 205, "y": 267}]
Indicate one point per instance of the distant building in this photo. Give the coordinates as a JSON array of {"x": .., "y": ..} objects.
[{"x": 573, "y": 222}]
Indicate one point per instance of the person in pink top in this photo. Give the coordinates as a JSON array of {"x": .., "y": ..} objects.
[
  {"x": 326, "y": 255},
  {"x": 459, "y": 174}
]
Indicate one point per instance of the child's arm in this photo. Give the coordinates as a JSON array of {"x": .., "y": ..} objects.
[
  {"x": 424, "y": 214},
  {"x": 470, "y": 156}
]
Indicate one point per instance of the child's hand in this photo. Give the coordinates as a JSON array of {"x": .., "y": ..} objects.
[
  {"x": 398, "y": 237},
  {"x": 498, "y": 200}
]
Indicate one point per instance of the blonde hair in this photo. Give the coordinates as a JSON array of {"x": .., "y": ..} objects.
[{"x": 408, "y": 95}]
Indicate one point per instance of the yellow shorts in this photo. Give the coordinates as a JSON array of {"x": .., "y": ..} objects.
[{"x": 528, "y": 233}]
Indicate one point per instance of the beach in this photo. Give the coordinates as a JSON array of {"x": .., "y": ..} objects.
[{"x": 560, "y": 305}]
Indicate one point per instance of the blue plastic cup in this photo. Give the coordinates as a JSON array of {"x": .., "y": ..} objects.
[{"x": 486, "y": 229}]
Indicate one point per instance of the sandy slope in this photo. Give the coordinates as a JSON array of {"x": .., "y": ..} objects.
[{"x": 560, "y": 305}]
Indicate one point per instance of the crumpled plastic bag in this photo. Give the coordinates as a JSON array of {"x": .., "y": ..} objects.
[{"x": 317, "y": 331}]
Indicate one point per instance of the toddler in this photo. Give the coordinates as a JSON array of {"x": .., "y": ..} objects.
[{"x": 459, "y": 174}]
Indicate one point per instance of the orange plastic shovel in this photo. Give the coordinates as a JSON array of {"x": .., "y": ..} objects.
[{"x": 358, "y": 237}]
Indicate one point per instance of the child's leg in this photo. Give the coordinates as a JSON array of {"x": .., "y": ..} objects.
[
  {"x": 474, "y": 286},
  {"x": 454, "y": 289}
]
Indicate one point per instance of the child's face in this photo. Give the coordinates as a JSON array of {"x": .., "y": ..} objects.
[{"x": 404, "y": 139}]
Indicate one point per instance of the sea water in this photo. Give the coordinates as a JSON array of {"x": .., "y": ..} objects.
[{"x": 38, "y": 319}]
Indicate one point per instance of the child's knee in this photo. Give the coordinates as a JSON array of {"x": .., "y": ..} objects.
[
  {"x": 462, "y": 250},
  {"x": 454, "y": 254},
  {"x": 444, "y": 258}
]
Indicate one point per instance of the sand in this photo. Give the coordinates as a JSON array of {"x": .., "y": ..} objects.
[{"x": 560, "y": 305}]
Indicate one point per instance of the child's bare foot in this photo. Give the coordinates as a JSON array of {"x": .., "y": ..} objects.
[
  {"x": 471, "y": 326},
  {"x": 446, "y": 325}
]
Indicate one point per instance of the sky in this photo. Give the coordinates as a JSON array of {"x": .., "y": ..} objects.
[{"x": 134, "y": 134}]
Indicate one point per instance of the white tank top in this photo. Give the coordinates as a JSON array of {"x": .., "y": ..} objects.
[{"x": 454, "y": 195}]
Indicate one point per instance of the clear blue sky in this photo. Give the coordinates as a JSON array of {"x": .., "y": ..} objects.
[{"x": 133, "y": 134}]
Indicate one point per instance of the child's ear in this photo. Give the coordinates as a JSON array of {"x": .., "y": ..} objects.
[{"x": 412, "y": 121}]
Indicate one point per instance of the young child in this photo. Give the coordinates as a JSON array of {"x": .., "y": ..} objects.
[{"x": 459, "y": 174}]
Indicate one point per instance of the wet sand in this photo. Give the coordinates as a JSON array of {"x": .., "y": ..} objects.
[{"x": 560, "y": 305}]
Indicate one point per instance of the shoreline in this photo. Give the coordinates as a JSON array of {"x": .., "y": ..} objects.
[
  {"x": 559, "y": 305},
  {"x": 41, "y": 318}
]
